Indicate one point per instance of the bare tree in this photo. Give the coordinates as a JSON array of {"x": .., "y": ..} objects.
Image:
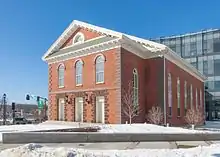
[
  {"x": 155, "y": 115},
  {"x": 194, "y": 116},
  {"x": 129, "y": 108}
]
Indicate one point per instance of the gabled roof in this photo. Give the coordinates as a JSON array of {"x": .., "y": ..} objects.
[
  {"x": 152, "y": 46},
  {"x": 145, "y": 45}
]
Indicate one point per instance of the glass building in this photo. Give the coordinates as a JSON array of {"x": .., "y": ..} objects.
[{"x": 202, "y": 50}]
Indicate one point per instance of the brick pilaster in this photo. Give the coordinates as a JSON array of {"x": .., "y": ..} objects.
[{"x": 118, "y": 84}]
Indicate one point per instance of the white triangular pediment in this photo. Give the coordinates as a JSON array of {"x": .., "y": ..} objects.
[{"x": 152, "y": 46}]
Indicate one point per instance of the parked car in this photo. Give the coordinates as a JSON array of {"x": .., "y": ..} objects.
[{"x": 21, "y": 120}]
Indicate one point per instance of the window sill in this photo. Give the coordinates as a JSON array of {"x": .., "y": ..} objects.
[
  {"x": 61, "y": 87},
  {"x": 79, "y": 85},
  {"x": 178, "y": 117},
  {"x": 100, "y": 83},
  {"x": 169, "y": 117}
]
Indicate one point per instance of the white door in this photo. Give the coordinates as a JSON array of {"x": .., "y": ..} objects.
[
  {"x": 79, "y": 109},
  {"x": 100, "y": 109},
  {"x": 61, "y": 109}
]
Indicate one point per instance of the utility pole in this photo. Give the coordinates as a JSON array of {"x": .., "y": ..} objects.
[
  {"x": 4, "y": 109},
  {"x": 45, "y": 109}
]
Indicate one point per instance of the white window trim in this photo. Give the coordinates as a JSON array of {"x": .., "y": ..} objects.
[
  {"x": 81, "y": 73},
  {"x": 170, "y": 93},
  {"x": 185, "y": 95},
  {"x": 79, "y": 34},
  {"x": 100, "y": 99},
  {"x": 61, "y": 116},
  {"x": 178, "y": 96},
  {"x": 135, "y": 77},
  {"x": 76, "y": 113},
  {"x": 100, "y": 82},
  {"x": 196, "y": 98},
  {"x": 178, "y": 92},
  {"x": 63, "y": 77},
  {"x": 191, "y": 96}
]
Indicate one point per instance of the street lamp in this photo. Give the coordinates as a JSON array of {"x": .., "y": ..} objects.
[{"x": 4, "y": 109}]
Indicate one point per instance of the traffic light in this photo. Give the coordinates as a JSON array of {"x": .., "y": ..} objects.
[
  {"x": 27, "y": 97},
  {"x": 38, "y": 98},
  {"x": 13, "y": 106}
]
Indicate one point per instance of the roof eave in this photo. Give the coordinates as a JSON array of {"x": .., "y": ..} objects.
[
  {"x": 65, "y": 32},
  {"x": 188, "y": 65}
]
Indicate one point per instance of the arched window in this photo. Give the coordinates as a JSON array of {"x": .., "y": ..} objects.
[
  {"x": 196, "y": 98},
  {"x": 135, "y": 88},
  {"x": 170, "y": 94},
  {"x": 79, "y": 69},
  {"x": 61, "y": 69},
  {"x": 191, "y": 96},
  {"x": 185, "y": 97},
  {"x": 99, "y": 67},
  {"x": 78, "y": 38},
  {"x": 178, "y": 96}
]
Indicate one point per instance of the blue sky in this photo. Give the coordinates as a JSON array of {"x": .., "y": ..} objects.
[{"x": 28, "y": 28}]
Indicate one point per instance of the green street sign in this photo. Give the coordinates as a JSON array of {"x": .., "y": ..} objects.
[{"x": 40, "y": 104}]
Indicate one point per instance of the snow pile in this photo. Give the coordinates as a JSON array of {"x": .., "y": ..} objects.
[
  {"x": 105, "y": 128},
  {"x": 35, "y": 150},
  {"x": 32, "y": 127},
  {"x": 144, "y": 128}
]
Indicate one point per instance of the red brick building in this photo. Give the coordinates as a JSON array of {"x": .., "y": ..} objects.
[{"x": 89, "y": 66}]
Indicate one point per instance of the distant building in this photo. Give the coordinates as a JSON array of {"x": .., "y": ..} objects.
[
  {"x": 89, "y": 67},
  {"x": 209, "y": 106},
  {"x": 202, "y": 50},
  {"x": 27, "y": 108}
]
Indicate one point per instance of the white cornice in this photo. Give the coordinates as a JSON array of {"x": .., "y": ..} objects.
[
  {"x": 89, "y": 40},
  {"x": 85, "y": 51},
  {"x": 78, "y": 24}
]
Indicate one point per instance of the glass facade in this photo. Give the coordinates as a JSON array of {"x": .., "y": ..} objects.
[{"x": 202, "y": 50}]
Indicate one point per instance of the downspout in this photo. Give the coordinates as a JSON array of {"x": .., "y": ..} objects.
[{"x": 164, "y": 84}]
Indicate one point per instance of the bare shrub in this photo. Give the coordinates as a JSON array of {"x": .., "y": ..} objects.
[
  {"x": 129, "y": 109},
  {"x": 155, "y": 115},
  {"x": 194, "y": 116}
]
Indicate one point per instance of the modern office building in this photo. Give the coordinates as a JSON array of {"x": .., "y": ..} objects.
[{"x": 202, "y": 50}]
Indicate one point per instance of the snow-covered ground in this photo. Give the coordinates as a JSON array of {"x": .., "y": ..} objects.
[
  {"x": 34, "y": 150},
  {"x": 105, "y": 128},
  {"x": 143, "y": 128},
  {"x": 31, "y": 127},
  {"x": 127, "y": 128}
]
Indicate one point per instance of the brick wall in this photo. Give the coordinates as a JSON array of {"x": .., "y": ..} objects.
[
  {"x": 129, "y": 61},
  {"x": 110, "y": 86},
  {"x": 183, "y": 76}
]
